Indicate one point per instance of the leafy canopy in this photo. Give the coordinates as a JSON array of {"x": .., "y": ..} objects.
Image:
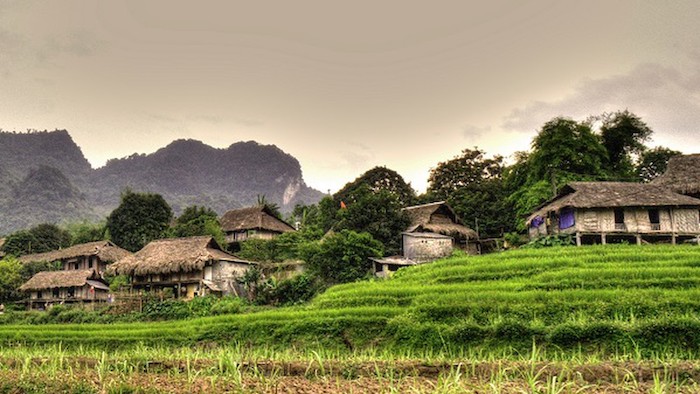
[{"x": 139, "y": 219}]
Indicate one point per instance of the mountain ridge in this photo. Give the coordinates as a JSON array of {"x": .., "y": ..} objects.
[{"x": 185, "y": 172}]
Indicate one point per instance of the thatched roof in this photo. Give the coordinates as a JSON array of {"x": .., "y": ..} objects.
[
  {"x": 423, "y": 218},
  {"x": 54, "y": 279},
  {"x": 682, "y": 174},
  {"x": 105, "y": 250},
  {"x": 614, "y": 195},
  {"x": 173, "y": 255},
  {"x": 253, "y": 218}
]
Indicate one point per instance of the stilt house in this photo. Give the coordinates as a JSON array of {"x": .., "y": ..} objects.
[
  {"x": 602, "y": 212},
  {"x": 682, "y": 175},
  {"x": 92, "y": 255},
  {"x": 253, "y": 222},
  {"x": 188, "y": 266},
  {"x": 64, "y": 287}
]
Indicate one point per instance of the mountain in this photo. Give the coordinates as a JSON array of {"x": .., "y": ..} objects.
[{"x": 44, "y": 177}]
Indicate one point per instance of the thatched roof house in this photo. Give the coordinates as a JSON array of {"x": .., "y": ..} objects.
[
  {"x": 618, "y": 208},
  {"x": 62, "y": 279},
  {"x": 104, "y": 250},
  {"x": 92, "y": 255},
  {"x": 252, "y": 222},
  {"x": 438, "y": 217},
  {"x": 73, "y": 286},
  {"x": 173, "y": 255},
  {"x": 184, "y": 264},
  {"x": 682, "y": 175}
]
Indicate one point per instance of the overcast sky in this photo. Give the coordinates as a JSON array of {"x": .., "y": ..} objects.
[{"x": 345, "y": 86}]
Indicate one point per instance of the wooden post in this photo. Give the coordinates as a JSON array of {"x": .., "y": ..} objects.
[
  {"x": 578, "y": 239},
  {"x": 639, "y": 239},
  {"x": 603, "y": 239},
  {"x": 673, "y": 238}
]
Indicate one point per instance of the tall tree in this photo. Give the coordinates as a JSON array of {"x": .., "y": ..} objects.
[
  {"x": 10, "y": 279},
  {"x": 196, "y": 220},
  {"x": 378, "y": 213},
  {"x": 38, "y": 239},
  {"x": 473, "y": 185},
  {"x": 623, "y": 135},
  {"x": 653, "y": 162},
  {"x": 565, "y": 150},
  {"x": 376, "y": 179},
  {"x": 139, "y": 219}
]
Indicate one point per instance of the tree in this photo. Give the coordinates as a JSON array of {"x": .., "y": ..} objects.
[
  {"x": 566, "y": 150},
  {"x": 38, "y": 239},
  {"x": 271, "y": 206},
  {"x": 10, "y": 279},
  {"x": 378, "y": 213},
  {"x": 623, "y": 135},
  {"x": 377, "y": 179},
  {"x": 84, "y": 232},
  {"x": 341, "y": 257},
  {"x": 473, "y": 185},
  {"x": 139, "y": 219},
  {"x": 653, "y": 162},
  {"x": 467, "y": 169},
  {"x": 196, "y": 220}
]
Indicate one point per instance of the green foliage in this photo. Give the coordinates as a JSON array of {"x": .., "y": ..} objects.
[
  {"x": 259, "y": 250},
  {"x": 84, "y": 232},
  {"x": 566, "y": 149},
  {"x": 475, "y": 189},
  {"x": 196, "y": 220},
  {"x": 341, "y": 257},
  {"x": 38, "y": 239},
  {"x": 139, "y": 219},
  {"x": 623, "y": 135},
  {"x": 554, "y": 240},
  {"x": 281, "y": 248},
  {"x": 653, "y": 162},
  {"x": 10, "y": 279},
  {"x": 118, "y": 282},
  {"x": 296, "y": 290},
  {"x": 378, "y": 213},
  {"x": 378, "y": 179}
]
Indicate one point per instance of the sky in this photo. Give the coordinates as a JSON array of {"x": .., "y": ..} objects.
[{"x": 345, "y": 86}]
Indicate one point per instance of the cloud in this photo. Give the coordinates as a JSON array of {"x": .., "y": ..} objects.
[
  {"x": 471, "y": 131},
  {"x": 666, "y": 98}
]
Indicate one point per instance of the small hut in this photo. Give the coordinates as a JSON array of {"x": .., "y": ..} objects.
[
  {"x": 440, "y": 219},
  {"x": 59, "y": 287},
  {"x": 253, "y": 222},
  {"x": 189, "y": 266},
  {"x": 92, "y": 255},
  {"x": 601, "y": 212},
  {"x": 682, "y": 175}
]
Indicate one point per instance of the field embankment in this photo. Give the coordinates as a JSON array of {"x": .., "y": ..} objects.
[{"x": 610, "y": 299}]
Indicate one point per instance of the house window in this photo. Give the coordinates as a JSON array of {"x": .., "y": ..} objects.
[
  {"x": 654, "y": 219},
  {"x": 620, "y": 219},
  {"x": 55, "y": 293},
  {"x": 71, "y": 292},
  {"x": 90, "y": 262},
  {"x": 567, "y": 218}
]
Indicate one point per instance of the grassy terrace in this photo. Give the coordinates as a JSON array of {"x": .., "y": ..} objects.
[{"x": 610, "y": 300}]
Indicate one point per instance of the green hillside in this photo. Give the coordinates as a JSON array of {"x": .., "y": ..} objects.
[{"x": 614, "y": 299}]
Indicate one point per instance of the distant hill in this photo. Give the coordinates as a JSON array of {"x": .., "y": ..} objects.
[{"x": 44, "y": 177}]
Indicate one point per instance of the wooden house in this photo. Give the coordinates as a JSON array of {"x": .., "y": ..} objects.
[
  {"x": 64, "y": 287},
  {"x": 435, "y": 231},
  {"x": 602, "y": 212},
  {"x": 439, "y": 218},
  {"x": 92, "y": 255},
  {"x": 253, "y": 222},
  {"x": 189, "y": 266},
  {"x": 682, "y": 175}
]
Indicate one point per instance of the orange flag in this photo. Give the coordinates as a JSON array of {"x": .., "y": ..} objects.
[{"x": 342, "y": 205}]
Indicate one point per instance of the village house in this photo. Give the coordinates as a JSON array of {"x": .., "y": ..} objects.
[
  {"x": 682, "y": 175},
  {"x": 92, "y": 255},
  {"x": 435, "y": 231},
  {"x": 254, "y": 222},
  {"x": 604, "y": 212},
  {"x": 187, "y": 266},
  {"x": 64, "y": 287}
]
